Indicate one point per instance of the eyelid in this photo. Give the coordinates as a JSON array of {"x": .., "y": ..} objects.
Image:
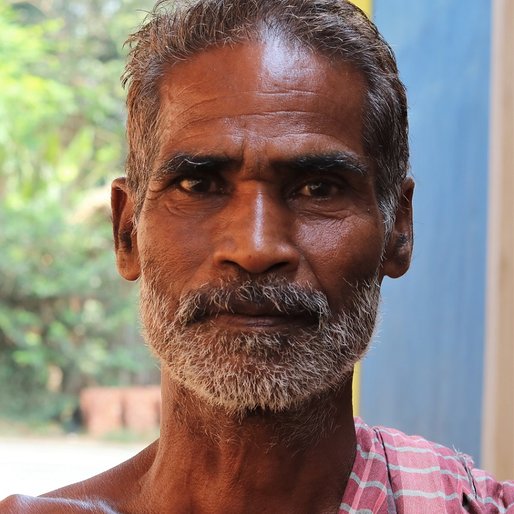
[
  {"x": 214, "y": 180},
  {"x": 326, "y": 178}
]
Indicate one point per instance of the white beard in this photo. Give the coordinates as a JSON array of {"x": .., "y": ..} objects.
[{"x": 240, "y": 371}]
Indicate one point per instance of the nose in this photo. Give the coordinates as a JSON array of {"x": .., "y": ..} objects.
[{"x": 256, "y": 236}]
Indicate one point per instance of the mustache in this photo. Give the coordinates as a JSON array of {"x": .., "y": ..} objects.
[{"x": 270, "y": 297}]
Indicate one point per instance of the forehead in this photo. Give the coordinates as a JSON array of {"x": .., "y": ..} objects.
[{"x": 261, "y": 94}]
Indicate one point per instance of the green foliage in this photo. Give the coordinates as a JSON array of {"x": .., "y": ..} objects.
[{"x": 66, "y": 318}]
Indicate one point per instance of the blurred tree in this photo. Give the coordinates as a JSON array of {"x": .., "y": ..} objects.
[{"x": 66, "y": 319}]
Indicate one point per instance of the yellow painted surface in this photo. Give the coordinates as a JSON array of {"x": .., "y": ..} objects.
[
  {"x": 356, "y": 388},
  {"x": 365, "y": 5}
]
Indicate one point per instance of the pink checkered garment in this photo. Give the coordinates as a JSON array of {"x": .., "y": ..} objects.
[{"x": 396, "y": 473}]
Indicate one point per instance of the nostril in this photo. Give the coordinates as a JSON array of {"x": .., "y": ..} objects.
[
  {"x": 279, "y": 266},
  {"x": 258, "y": 262}
]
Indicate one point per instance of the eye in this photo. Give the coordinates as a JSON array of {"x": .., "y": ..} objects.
[
  {"x": 319, "y": 189},
  {"x": 197, "y": 185}
]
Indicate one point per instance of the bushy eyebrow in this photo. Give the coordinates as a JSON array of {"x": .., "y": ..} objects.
[
  {"x": 183, "y": 163},
  {"x": 319, "y": 163}
]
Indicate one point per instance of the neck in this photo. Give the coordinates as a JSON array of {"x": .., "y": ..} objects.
[{"x": 253, "y": 462}]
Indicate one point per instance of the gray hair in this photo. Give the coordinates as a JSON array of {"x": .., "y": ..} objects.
[{"x": 178, "y": 29}]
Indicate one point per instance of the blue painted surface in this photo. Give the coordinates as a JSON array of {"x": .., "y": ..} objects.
[{"x": 425, "y": 373}]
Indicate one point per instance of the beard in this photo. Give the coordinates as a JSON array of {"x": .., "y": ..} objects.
[{"x": 275, "y": 370}]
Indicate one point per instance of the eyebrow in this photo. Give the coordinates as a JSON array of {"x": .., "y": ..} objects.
[
  {"x": 187, "y": 163},
  {"x": 319, "y": 163},
  {"x": 339, "y": 161}
]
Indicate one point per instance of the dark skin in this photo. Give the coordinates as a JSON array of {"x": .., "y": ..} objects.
[{"x": 261, "y": 170}]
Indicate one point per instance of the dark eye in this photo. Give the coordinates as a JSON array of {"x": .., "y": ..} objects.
[
  {"x": 319, "y": 189},
  {"x": 197, "y": 185}
]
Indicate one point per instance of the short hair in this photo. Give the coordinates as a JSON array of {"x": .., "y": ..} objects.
[{"x": 178, "y": 29}]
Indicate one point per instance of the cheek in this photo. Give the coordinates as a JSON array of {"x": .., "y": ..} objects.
[
  {"x": 341, "y": 252},
  {"x": 176, "y": 250}
]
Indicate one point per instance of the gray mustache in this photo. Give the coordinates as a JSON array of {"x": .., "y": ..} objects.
[{"x": 271, "y": 298}]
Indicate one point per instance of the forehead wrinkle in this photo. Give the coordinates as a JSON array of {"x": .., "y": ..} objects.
[
  {"x": 195, "y": 115},
  {"x": 200, "y": 142},
  {"x": 271, "y": 93},
  {"x": 177, "y": 130},
  {"x": 255, "y": 114},
  {"x": 269, "y": 75},
  {"x": 185, "y": 122},
  {"x": 200, "y": 105}
]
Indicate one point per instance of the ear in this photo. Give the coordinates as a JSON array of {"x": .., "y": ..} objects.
[
  {"x": 125, "y": 236},
  {"x": 398, "y": 252}
]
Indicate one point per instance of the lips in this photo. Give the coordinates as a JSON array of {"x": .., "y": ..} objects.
[
  {"x": 242, "y": 321},
  {"x": 256, "y": 315}
]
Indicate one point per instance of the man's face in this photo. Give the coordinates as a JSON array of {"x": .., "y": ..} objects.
[{"x": 260, "y": 241}]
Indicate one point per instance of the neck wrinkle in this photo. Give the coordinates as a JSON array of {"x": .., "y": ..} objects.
[{"x": 213, "y": 458}]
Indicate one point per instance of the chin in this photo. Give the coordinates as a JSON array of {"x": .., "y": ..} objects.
[{"x": 274, "y": 372}]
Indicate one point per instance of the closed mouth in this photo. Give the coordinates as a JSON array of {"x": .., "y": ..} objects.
[
  {"x": 260, "y": 321},
  {"x": 256, "y": 316}
]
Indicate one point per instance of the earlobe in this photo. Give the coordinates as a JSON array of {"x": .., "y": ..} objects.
[
  {"x": 125, "y": 236},
  {"x": 397, "y": 255}
]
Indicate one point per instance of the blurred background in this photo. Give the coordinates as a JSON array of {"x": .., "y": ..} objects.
[
  {"x": 67, "y": 321},
  {"x": 72, "y": 362}
]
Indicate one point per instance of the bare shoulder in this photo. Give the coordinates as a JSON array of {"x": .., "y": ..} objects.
[
  {"x": 111, "y": 492},
  {"x": 19, "y": 504}
]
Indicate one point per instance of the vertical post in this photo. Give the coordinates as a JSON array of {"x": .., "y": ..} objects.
[{"x": 498, "y": 421}]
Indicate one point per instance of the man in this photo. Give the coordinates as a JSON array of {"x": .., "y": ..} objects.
[{"x": 266, "y": 199}]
